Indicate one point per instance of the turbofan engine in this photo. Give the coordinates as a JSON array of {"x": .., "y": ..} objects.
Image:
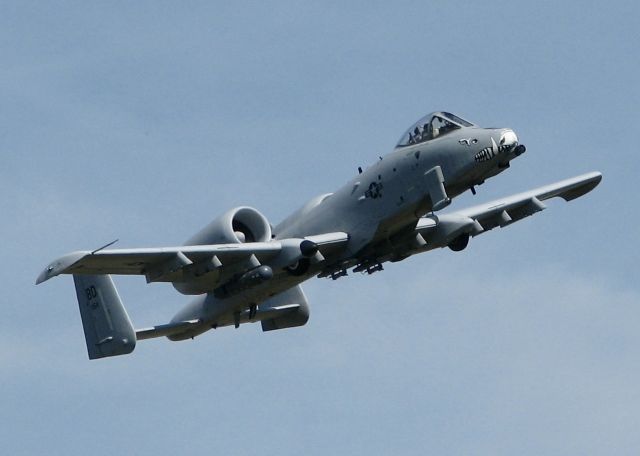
[{"x": 240, "y": 224}]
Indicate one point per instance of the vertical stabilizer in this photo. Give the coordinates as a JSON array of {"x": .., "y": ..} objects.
[
  {"x": 107, "y": 328},
  {"x": 290, "y": 319}
]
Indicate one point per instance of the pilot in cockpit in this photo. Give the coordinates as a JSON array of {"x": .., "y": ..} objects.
[
  {"x": 426, "y": 132},
  {"x": 446, "y": 126},
  {"x": 432, "y": 126}
]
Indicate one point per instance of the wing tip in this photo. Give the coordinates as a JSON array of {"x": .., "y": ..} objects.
[
  {"x": 60, "y": 266},
  {"x": 586, "y": 183}
]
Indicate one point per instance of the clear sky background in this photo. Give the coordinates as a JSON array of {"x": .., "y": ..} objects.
[{"x": 144, "y": 120}]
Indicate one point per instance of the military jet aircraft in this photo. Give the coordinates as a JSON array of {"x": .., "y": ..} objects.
[{"x": 242, "y": 270}]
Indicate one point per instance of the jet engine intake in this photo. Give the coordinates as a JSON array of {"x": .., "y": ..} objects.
[{"x": 239, "y": 225}]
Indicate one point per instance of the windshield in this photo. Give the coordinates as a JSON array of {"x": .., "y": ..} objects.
[{"x": 432, "y": 126}]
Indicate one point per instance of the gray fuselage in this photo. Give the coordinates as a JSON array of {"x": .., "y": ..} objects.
[{"x": 376, "y": 208}]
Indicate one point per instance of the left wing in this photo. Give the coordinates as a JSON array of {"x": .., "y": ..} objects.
[
  {"x": 443, "y": 230},
  {"x": 169, "y": 264}
]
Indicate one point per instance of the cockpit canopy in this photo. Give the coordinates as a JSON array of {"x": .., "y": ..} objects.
[{"x": 432, "y": 126}]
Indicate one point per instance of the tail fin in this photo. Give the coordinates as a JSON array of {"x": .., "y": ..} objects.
[
  {"x": 295, "y": 317},
  {"x": 107, "y": 328}
]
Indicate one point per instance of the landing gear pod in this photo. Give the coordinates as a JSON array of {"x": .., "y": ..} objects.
[{"x": 460, "y": 243}]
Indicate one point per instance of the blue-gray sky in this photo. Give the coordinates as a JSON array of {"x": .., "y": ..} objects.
[{"x": 144, "y": 120}]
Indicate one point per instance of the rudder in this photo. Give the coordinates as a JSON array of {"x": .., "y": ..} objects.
[
  {"x": 107, "y": 328},
  {"x": 299, "y": 317}
]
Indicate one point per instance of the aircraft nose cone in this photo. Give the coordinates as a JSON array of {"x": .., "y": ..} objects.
[{"x": 508, "y": 140}]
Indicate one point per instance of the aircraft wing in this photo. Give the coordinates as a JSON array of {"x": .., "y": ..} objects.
[
  {"x": 441, "y": 230},
  {"x": 167, "y": 264}
]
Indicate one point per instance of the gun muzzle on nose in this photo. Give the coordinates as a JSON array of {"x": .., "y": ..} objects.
[{"x": 519, "y": 150}]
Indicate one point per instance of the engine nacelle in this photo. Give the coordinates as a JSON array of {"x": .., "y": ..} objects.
[{"x": 240, "y": 224}]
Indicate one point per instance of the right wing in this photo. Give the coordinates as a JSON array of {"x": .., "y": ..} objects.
[{"x": 170, "y": 264}]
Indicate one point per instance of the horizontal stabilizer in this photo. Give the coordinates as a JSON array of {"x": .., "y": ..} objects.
[
  {"x": 186, "y": 329},
  {"x": 169, "y": 329},
  {"x": 270, "y": 313},
  {"x": 264, "y": 313}
]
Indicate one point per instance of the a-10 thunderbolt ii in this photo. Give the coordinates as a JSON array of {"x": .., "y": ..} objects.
[{"x": 242, "y": 270}]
